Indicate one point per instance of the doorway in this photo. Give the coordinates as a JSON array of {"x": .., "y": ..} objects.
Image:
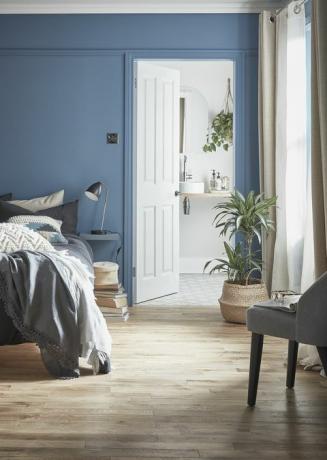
[{"x": 175, "y": 104}]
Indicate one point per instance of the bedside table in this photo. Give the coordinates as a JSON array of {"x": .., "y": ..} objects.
[{"x": 108, "y": 237}]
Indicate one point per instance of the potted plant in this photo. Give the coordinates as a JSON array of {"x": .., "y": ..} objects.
[
  {"x": 220, "y": 133},
  {"x": 247, "y": 218}
]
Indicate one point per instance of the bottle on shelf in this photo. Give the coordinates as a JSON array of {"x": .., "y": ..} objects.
[
  {"x": 219, "y": 182},
  {"x": 225, "y": 183},
  {"x": 213, "y": 181}
]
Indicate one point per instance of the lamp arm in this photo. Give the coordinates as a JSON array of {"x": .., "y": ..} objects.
[{"x": 104, "y": 207}]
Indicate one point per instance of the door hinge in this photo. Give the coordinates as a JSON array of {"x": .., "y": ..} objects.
[
  {"x": 134, "y": 272},
  {"x": 135, "y": 82}
]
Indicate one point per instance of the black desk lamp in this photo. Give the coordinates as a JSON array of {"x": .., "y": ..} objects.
[{"x": 93, "y": 193}]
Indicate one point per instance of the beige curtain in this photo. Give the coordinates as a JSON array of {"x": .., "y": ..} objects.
[
  {"x": 319, "y": 132},
  {"x": 267, "y": 127},
  {"x": 287, "y": 254}
]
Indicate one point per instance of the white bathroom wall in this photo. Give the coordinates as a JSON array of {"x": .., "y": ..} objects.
[{"x": 198, "y": 238}]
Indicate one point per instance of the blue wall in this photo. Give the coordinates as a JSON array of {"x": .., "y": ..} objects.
[{"x": 65, "y": 80}]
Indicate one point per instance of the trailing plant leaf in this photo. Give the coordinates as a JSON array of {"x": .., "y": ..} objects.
[{"x": 221, "y": 132}]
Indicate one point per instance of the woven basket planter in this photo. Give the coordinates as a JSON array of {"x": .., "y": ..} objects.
[{"x": 236, "y": 299}]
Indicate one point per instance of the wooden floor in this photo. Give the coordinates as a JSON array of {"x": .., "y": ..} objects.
[{"x": 178, "y": 390}]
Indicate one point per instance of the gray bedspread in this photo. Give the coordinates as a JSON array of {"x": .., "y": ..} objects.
[
  {"x": 79, "y": 249},
  {"x": 39, "y": 300}
]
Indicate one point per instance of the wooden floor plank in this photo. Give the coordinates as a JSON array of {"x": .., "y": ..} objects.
[{"x": 177, "y": 391}]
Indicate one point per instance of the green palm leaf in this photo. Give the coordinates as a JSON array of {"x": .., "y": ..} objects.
[{"x": 248, "y": 216}]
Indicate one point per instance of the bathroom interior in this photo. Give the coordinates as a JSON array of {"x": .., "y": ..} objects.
[{"x": 206, "y": 175}]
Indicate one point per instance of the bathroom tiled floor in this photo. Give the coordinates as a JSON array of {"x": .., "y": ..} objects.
[{"x": 195, "y": 289}]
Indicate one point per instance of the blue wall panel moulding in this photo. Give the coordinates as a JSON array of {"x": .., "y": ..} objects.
[{"x": 66, "y": 80}]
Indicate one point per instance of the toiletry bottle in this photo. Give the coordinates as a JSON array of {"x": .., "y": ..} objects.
[
  {"x": 225, "y": 180},
  {"x": 219, "y": 182},
  {"x": 213, "y": 181}
]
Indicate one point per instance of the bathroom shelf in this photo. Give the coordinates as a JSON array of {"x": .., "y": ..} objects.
[{"x": 208, "y": 195}]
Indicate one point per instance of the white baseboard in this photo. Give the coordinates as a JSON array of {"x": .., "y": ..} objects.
[{"x": 192, "y": 264}]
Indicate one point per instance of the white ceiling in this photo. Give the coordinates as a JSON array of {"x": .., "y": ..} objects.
[{"x": 136, "y": 6}]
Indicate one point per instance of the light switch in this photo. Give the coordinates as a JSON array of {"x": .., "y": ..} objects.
[{"x": 112, "y": 138}]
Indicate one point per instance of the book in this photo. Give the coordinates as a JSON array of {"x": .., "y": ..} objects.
[
  {"x": 108, "y": 287},
  {"x": 287, "y": 303},
  {"x": 112, "y": 302},
  {"x": 112, "y": 294},
  {"x": 114, "y": 310},
  {"x": 115, "y": 313},
  {"x": 116, "y": 317}
]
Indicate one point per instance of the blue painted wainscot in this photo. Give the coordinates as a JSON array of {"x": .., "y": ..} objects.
[{"x": 65, "y": 80}]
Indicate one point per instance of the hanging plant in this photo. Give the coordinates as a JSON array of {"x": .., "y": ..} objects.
[{"x": 221, "y": 130}]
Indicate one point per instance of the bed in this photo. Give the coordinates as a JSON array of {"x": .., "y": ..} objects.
[
  {"x": 46, "y": 285},
  {"x": 9, "y": 334},
  {"x": 47, "y": 298}
]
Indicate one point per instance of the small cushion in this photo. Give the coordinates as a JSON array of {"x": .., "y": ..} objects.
[
  {"x": 14, "y": 237},
  {"x": 42, "y": 202},
  {"x": 46, "y": 226},
  {"x": 269, "y": 320}
]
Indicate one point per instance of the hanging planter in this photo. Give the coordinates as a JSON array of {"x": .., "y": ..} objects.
[{"x": 221, "y": 130}]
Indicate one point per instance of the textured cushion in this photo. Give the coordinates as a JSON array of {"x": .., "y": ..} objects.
[
  {"x": 6, "y": 197},
  {"x": 67, "y": 213},
  {"x": 267, "y": 320},
  {"x": 46, "y": 226},
  {"x": 8, "y": 210},
  {"x": 42, "y": 202},
  {"x": 15, "y": 237}
]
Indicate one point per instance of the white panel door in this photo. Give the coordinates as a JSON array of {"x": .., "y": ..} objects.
[{"x": 157, "y": 177}]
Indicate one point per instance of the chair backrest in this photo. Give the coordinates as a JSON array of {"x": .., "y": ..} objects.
[{"x": 311, "y": 318}]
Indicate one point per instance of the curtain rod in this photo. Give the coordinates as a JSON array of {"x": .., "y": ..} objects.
[{"x": 296, "y": 9}]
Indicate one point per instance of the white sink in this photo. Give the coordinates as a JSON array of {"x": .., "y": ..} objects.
[{"x": 191, "y": 187}]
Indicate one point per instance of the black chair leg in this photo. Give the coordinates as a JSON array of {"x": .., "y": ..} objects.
[
  {"x": 293, "y": 347},
  {"x": 255, "y": 361},
  {"x": 323, "y": 357}
]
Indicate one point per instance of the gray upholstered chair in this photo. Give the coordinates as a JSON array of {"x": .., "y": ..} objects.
[{"x": 308, "y": 324}]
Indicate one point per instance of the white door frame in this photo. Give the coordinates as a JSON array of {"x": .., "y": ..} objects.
[{"x": 241, "y": 158}]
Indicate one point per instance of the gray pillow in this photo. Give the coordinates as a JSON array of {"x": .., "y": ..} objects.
[
  {"x": 8, "y": 210},
  {"x": 67, "y": 213},
  {"x": 6, "y": 197}
]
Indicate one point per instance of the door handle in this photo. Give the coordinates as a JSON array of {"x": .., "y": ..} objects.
[{"x": 177, "y": 192}]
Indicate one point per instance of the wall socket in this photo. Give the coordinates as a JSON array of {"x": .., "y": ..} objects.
[{"x": 112, "y": 138}]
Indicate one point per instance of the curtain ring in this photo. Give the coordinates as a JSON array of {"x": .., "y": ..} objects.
[{"x": 297, "y": 8}]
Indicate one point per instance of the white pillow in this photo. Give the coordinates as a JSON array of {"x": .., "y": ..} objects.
[
  {"x": 37, "y": 220},
  {"x": 14, "y": 237},
  {"x": 49, "y": 228},
  {"x": 42, "y": 202}
]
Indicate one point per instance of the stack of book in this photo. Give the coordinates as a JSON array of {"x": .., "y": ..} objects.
[
  {"x": 112, "y": 301},
  {"x": 110, "y": 295}
]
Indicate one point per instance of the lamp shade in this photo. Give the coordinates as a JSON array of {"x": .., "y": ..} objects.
[{"x": 94, "y": 191}]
